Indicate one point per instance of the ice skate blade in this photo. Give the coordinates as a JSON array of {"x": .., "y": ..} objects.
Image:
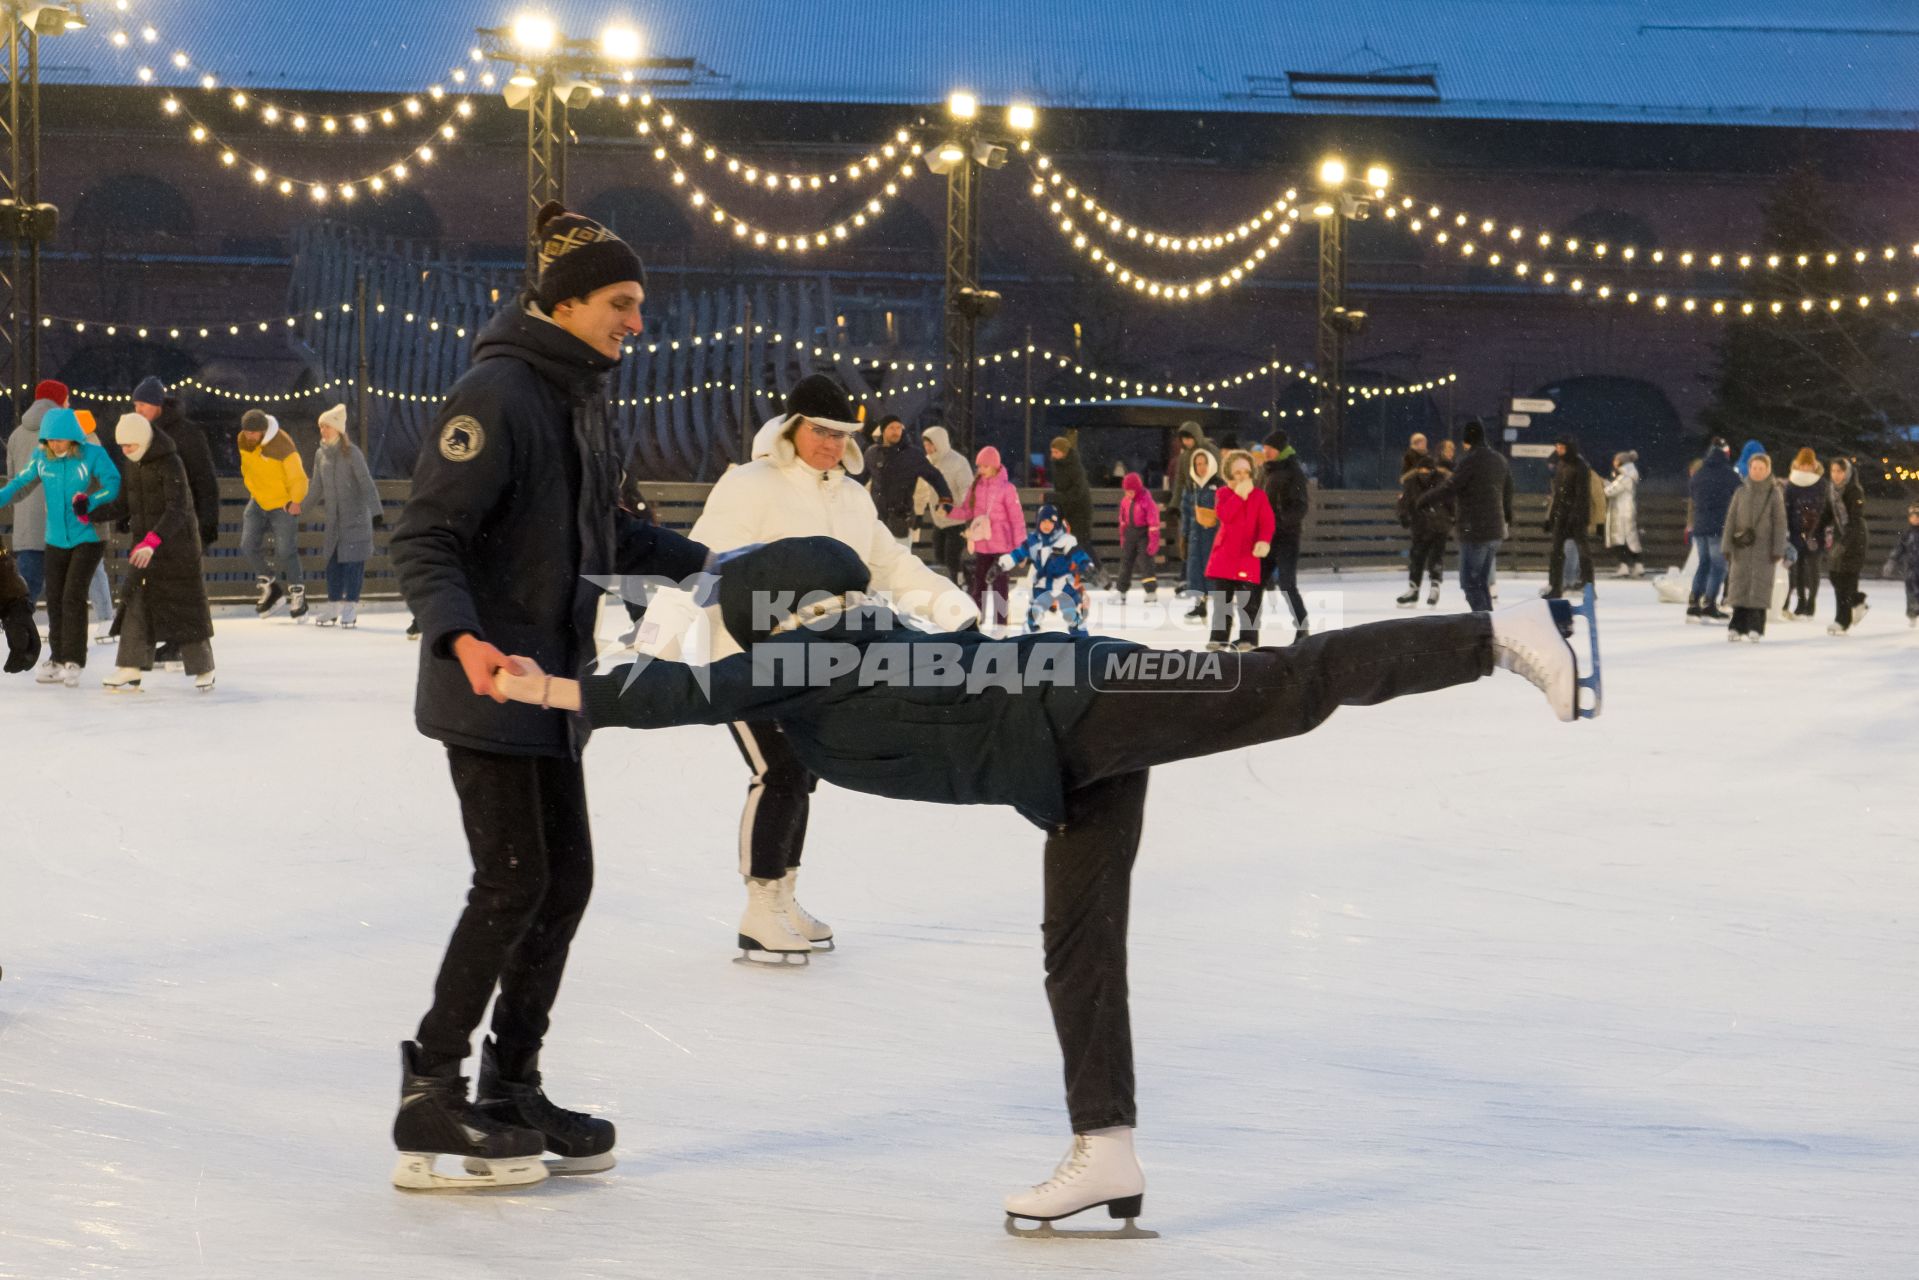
[
  {"x": 415, "y": 1172},
  {"x": 560, "y": 1166},
  {"x": 823, "y": 946},
  {"x": 755, "y": 956},
  {"x": 1126, "y": 1207}
]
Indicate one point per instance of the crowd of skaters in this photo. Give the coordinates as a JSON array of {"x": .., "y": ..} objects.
[{"x": 148, "y": 489}]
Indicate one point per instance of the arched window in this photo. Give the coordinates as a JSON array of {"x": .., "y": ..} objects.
[
  {"x": 403, "y": 213},
  {"x": 1612, "y": 227},
  {"x": 130, "y": 206},
  {"x": 640, "y": 215}
]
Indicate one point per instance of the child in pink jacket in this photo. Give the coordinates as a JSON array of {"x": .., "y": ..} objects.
[
  {"x": 994, "y": 526},
  {"x": 1138, "y": 534}
]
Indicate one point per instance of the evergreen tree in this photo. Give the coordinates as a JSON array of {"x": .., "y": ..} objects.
[{"x": 1839, "y": 381}]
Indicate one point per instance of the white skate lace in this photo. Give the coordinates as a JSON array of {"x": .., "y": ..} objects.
[
  {"x": 1070, "y": 1168},
  {"x": 1527, "y": 661}
]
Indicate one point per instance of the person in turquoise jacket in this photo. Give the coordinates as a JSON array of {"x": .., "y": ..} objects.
[{"x": 78, "y": 478}]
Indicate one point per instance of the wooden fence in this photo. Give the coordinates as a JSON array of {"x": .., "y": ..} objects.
[{"x": 1348, "y": 529}]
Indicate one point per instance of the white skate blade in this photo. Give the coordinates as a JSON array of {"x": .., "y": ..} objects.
[
  {"x": 824, "y": 945},
  {"x": 560, "y": 1166},
  {"x": 415, "y": 1172}
]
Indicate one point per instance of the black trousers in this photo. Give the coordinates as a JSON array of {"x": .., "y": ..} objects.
[
  {"x": 532, "y": 847},
  {"x": 1581, "y": 537},
  {"x": 1132, "y": 550},
  {"x": 1235, "y": 601},
  {"x": 1805, "y": 581},
  {"x": 1747, "y": 622},
  {"x": 1279, "y": 693},
  {"x": 1427, "y": 558},
  {"x": 949, "y": 549},
  {"x": 779, "y": 798},
  {"x": 69, "y": 577},
  {"x": 1845, "y": 591},
  {"x": 1282, "y": 574}
]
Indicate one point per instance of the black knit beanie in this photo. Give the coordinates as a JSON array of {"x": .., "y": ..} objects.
[
  {"x": 1278, "y": 440},
  {"x": 1474, "y": 433},
  {"x": 578, "y": 255},
  {"x": 821, "y": 398}
]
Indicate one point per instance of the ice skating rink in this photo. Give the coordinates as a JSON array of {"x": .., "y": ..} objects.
[{"x": 1448, "y": 989}]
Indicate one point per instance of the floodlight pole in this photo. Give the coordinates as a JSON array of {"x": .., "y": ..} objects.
[{"x": 962, "y": 274}]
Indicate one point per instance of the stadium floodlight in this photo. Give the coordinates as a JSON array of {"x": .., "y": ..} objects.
[
  {"x": 1332, "y": 171},
  {"x": 1021, "y": 118},
  {"x": 962, "y": 105},
  {"x": 620, "y": 44},
  {"x": 535, "y": 33}
]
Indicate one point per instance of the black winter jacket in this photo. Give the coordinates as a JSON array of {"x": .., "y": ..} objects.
[
  {"x": 1072, "y": 495},
  {"x": 1435, "y": 521},
  {"x": 203, "y": 482},
  {"x": 516, "y": 498},
  {"x": 896, "y": 469},
  {"x": 1570, "y": 508},
  {"x": 1285, "y": 484},
  {"x": 1849, "y": 552},
  {"x": 155, "y": 498},
  {"x": 1481, "y": 488}
]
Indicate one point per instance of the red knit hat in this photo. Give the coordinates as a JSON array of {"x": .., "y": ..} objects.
[{"x": 51, "y": 390}]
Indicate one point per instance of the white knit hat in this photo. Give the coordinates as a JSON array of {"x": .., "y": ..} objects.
[
  {"x": 335, "y": 418},
  {"x": 133, "y": 429}
]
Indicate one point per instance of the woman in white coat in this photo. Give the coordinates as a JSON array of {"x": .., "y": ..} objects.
[
  {"x": 1622, "y": 514},
  {"x": 800, "y": 484}
]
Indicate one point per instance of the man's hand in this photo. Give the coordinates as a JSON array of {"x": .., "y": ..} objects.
[
  {"x": 293, "y": 508},
  {"x": 480, "y": 661},
  {"x": 141, "y": 556}
]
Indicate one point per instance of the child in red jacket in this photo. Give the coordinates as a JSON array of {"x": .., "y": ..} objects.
[
  {"x": 1240, "y": 542},
  {"x": 1138, "y": 536}
]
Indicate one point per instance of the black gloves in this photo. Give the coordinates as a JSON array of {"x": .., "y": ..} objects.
[{"x": 80, "y": 507}]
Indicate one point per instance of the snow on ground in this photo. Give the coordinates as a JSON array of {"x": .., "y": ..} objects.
[{"x": 1447, "y": 990}]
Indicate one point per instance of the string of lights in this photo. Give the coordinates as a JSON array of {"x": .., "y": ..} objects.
[
  {"x": 1600, "y": 251},
  {"x": 664, "y": 124},
  {"x": 783, "y": 241},
  {"x": 1198, "y": 289},
  {"x": 1067, "y": 192},
  {"x": 1662, "y": 301}
]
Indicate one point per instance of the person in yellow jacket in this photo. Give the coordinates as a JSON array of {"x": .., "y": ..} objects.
[{"x": 276, "y": 482}]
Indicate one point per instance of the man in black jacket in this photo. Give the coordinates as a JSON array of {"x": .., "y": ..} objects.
[
  {"x": 1284, "y": 481},
  {"x": 515, "y": 502},
  {"x": 1482, "y": 491},
  {"x": 1569, "y": 516},
  {"x": 151, "y": 401},
  {"x": 1071, "y": 492},
  {"x": 896, "y": 465}
]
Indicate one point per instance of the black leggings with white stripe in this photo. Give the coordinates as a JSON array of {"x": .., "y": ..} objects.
[{"x": 778, "y": 798}]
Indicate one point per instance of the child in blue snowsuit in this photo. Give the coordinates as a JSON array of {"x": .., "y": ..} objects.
[{"x": 1058, "y": 565}]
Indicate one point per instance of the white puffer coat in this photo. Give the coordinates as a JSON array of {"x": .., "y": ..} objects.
[
  {"x": 1622, "y": 508},
  {"x": 778, "y": 496}
]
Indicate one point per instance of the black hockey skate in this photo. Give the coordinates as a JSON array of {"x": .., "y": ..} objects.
[
  {"x": 271, "y": 591},
  {"x": 580, "y": 1143},
  {"x": 436, "y": 1119}
]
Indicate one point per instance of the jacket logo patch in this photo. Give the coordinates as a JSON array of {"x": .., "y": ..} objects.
[{"x": 461, "y": 439}]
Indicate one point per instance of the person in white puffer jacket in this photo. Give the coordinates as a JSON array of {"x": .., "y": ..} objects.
[{"x": 799, "y": 484}]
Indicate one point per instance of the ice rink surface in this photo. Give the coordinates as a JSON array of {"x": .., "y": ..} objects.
[{"x": 1448, "y": 989}]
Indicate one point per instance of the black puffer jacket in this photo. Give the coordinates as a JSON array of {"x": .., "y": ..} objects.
[
  {"x": 516, "y": 498},
  {"x": 896, "y": 469},
  {"x": 1849, "y": 550},
  {"x": 1072, "y": 495},
  {"x": 203, "y": 482},
  {"x": 156, "y": 499},
  {"x": 16, "y": 617},
  {"x": 1284, "y": 481},
  {"x": 1421, "y": 479},
  {"x": 1570, "y": 508},
  {"x": 1481, "y": 489}
]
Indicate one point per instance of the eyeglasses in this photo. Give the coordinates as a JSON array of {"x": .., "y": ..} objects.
[{"x": 827, "y": 433}]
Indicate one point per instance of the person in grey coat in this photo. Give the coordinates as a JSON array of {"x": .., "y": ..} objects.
[
  {"x": 30, "y": 513},
  {"x": 344, "y": 486},
  {"x": 1754, "y": 541}
]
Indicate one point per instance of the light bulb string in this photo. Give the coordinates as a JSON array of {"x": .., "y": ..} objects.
[
  {"x": 1458, "y": 223},
  {"x": 321, "y": 190},
  {"x": 1573, "y": 281},
  {"x": 1070, "y": 194},
  {"x": 904, "y": 145}
]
